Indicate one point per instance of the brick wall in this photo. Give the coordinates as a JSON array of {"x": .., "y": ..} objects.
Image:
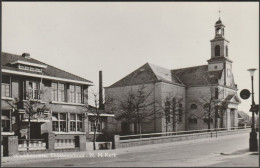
[
  {"x": 21, "y": 83},
  {"x": 196, "y": 93},
  {"x": 194, "y": 96},
  {"x": 120, "y": 93},
  {"x": 10, "y": 145},
  {"x": 160, "y": 91}
]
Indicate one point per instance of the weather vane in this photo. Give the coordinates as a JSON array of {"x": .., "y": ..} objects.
[{"x": 219, "y": 13}]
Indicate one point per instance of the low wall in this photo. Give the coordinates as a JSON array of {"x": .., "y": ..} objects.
[
  {"x": 52, "y": 143},
  {"x": 173, "y": 138},
  {"x": 99, "y": 145}
]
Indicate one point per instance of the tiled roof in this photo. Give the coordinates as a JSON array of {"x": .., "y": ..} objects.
[
  {"x": 197, "y": 75},
  {"x": 7, "y": 58},
  {"x": 144, "y": 74},
  {"x": 149, "y": 73},
  {"x": 164, "y": 74}
]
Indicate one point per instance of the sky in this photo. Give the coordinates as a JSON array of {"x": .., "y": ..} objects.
[{"x": 119, "y": 37}]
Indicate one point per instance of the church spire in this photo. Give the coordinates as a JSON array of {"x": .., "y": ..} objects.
[
  {"x": 219, "y": 14},
  {"x": 219, "y": 45}
]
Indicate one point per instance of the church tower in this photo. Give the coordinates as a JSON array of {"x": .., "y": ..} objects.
[{"x": 219, "y": 60}]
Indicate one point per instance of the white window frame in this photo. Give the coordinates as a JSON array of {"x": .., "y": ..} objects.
[
  {"x": 76, "y": 121},
  {"x": 59, "y": 122},
  {"x": 56, "y": 96},
  {"x": 33, "y": 89},
  {"x": 75, "y": 95}
]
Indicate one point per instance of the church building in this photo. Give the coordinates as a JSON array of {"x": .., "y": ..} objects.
[{"x": 193, "y": 98}]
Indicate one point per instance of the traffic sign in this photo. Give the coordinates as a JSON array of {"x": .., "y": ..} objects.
[
  {"x": 245, "y": 94},
  {"x": 254, "y": 108}
]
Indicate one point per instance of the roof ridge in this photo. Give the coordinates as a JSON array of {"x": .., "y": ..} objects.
[
  {"x": 189, "y": 67},
  {"x": 48, "y": 65}
]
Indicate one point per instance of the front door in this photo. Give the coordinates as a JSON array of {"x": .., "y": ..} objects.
[
  {"x": 35, "y": 131},
  {"x": 232, "y": 117}
]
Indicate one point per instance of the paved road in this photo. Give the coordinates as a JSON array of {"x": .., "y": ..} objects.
[{"x": 226, "y": 151}]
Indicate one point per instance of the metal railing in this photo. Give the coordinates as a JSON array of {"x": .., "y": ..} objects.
[
  {"x": 151, "y": 135},
  {"x": 34, "y": 144}
]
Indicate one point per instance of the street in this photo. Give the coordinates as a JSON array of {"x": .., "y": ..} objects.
[{"x": 225, "y": 151}]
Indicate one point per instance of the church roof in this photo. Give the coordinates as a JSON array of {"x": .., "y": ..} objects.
[
  {"x": 7, "y": 59},
  {"x": 149, "y": 73},
  {"x": 198, "y": 75}
]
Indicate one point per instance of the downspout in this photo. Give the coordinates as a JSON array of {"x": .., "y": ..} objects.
[{"x": 154, "y": 109}]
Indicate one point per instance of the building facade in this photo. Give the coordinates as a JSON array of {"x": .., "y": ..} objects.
[
  {"x": 64, "y": 96},
  {"x": 186, "y": 93}
]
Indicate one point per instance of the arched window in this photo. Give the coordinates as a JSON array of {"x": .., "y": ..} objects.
[
  {"x": 167, "y": 110},
  {"x": 226, "y": 51},
  {"x": 217, "y": 50},
  {"x": 193, "y": 106},
  {"x": 219, "y": 31},
  {"x": 180, "y": 112},
  {"x": 174, "y": 105},
  {"x": 195, "y": 120}
]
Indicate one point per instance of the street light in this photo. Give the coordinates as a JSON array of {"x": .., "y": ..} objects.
[{"x": 253, "y": 145}]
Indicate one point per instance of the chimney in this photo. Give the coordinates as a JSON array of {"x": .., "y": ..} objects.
[
  {"x": 101, "y": 105},
  {"x": 26, "y": 55}
]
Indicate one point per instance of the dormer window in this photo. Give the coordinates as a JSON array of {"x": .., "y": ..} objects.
[
  {"x": 29, "y": 68},
  {"x": 34, "y": 67}
]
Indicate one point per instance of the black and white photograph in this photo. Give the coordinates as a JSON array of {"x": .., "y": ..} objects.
[{"x": 129, "y": 84}]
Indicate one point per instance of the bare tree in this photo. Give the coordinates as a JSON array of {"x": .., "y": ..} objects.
[
  {"x": 211, "y": 105},
  {"x": 33, "y": 106},
  {"x": 136, "y": 107},
  {"x": 96, "y": 111},
  {"x": 170, "y": 109}
]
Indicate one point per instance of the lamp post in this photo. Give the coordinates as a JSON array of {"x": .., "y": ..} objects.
[{"x": 253, "y": 145}]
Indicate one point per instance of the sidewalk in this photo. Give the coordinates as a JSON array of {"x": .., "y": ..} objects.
[{"x": 239, "y": 152}]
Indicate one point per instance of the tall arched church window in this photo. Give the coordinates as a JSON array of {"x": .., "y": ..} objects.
[
  {"x": 226, "y": 51},
  {"x": 180, "y": 112},
  {"x": 167, "y": 110},
  {"x": 217, "y": 50}
]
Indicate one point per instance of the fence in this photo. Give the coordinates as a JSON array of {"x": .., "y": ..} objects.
[
  {"x": 64, "y": 143},
  {"x": 31, "y": 144},
  {"x": 153, "y": 138},
  {"x": 138, "y": 136},
  {"x": 51, "y": 143}
]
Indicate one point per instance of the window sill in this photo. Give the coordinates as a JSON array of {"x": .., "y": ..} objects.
[
  {"x": 67, "y": 103},
  {"x": 7, "y": 98},
  {"x": 36, "y": 100},
  {"x": 92, "y": 133},
  {"x": 7, "y": 133},
  {"x": 67, "y": 133}
]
